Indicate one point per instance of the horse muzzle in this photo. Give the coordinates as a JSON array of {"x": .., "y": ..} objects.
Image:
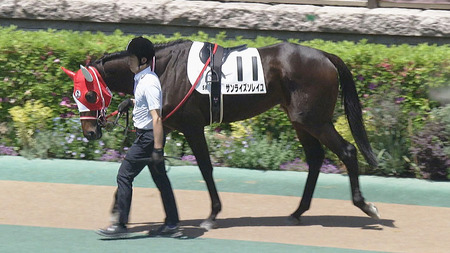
[
  {"x": 91, "y": 129},
  {"x": 93, "y": 134}
]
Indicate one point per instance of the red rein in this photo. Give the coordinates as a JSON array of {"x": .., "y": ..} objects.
[{"x": 193, "y": 86}]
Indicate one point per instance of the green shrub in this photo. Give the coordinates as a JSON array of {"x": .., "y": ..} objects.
[
  {"x": 392, "y": 81},
  {"x": 7, "y": 134},
  {"x": 256, "y": 152},
  {"x": 271, "y": 124},
  {"x": 431, "y": 146},
  {"x": 390, "y": 139},
  {"x": 176, "y": 145},
  {"x": 30, "y": 119}
]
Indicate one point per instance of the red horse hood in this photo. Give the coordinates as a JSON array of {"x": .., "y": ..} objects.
[{"x": 86, "y": 80}]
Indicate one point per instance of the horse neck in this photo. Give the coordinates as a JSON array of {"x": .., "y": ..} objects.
[
  {"x": 169, "y": 58},
  {"x": 117, "y": 76},
  {"x": 161, "y": 62}
]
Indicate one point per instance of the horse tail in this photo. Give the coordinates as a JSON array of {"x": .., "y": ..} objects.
[{"x": 352, "y": 108}]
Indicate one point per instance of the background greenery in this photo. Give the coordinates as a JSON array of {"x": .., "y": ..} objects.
[{"x": 409, "y": 131}]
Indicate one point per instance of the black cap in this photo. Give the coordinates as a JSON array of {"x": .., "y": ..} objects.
[{"x": 141, "y": 47}]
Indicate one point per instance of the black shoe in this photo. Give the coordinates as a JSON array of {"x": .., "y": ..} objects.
[
  {"x": 114, "y": 231},
  {"x": 167, "y": 231}
]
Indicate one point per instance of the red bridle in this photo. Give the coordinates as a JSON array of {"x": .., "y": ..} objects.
[{"x": 101, "y": 117}]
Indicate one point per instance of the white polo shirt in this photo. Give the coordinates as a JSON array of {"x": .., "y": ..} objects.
[{"x": 148, "y": 96}]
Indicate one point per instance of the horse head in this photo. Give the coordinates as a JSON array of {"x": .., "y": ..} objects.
[{"x": 92, "y": 97}]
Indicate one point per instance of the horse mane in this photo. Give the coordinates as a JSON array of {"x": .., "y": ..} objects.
[
  {"x": 108, "y": 57},
  {"x": 169, "y": 44},
  {"x": 121, "y": 54}
]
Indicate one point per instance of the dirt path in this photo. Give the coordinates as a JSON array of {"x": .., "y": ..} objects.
[{"x": 247, "y": 217}]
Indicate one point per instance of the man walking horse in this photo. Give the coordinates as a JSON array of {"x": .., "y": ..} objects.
[{"x": 304, "y": 81}]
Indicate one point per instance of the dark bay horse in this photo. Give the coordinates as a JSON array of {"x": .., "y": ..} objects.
[{"x": 303, "y": 80}]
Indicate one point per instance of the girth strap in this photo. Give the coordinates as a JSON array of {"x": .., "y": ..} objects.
[{"x": 216, "y": 113}]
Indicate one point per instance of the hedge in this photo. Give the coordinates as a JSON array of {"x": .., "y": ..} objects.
[{"x": 393, "y": 82}]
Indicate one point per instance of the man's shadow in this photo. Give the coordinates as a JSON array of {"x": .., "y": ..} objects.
[{"x": 192, "y": 230}]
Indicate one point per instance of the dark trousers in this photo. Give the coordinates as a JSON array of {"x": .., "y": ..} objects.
[{"x": 131, "y": 166}]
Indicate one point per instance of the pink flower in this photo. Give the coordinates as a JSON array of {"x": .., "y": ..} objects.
[
  {"x": 399, "y": 100},
  {"x": 65, "y": 102}
]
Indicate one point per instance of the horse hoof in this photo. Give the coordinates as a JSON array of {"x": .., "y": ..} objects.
[
  {"x": 291, "y": 220},
  {"x": 372, "y": 211},
  {"x": 208, "y": 224}
]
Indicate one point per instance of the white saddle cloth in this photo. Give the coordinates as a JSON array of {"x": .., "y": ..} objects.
[{"x": 231, "y": 85}]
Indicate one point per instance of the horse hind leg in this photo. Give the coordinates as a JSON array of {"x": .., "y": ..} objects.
[
  {"x": 347, "y": 154},
  {"x": 314, "y": 158}
]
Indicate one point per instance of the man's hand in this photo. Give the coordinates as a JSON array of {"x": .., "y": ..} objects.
[
  {"x": 123, "y": 107},
  {"x": 157, "y": 157}
]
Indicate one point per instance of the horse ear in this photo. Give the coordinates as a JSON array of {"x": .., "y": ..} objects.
[
  {"x": 86, "y": 74},
  {"x": 71, "y": 74}
]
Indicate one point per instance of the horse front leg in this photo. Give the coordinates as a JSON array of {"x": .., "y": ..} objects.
[{"x": 197, "y": 142}]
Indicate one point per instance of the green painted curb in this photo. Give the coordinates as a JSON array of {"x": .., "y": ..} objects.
[{"x": 285, "y": 183}]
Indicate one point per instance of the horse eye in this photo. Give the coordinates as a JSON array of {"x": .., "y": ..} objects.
[{"x": 91, "y": 97}]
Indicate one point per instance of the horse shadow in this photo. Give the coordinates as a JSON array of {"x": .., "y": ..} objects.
[
  {"x": 191, "y": 229},
  {"x": 319, "y": 220}
]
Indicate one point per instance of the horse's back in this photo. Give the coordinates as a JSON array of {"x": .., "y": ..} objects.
[
  {"x": 291, "y": 55},
  {"x": 295, "y": 76},
  {"x": 307, "y": 78}
]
